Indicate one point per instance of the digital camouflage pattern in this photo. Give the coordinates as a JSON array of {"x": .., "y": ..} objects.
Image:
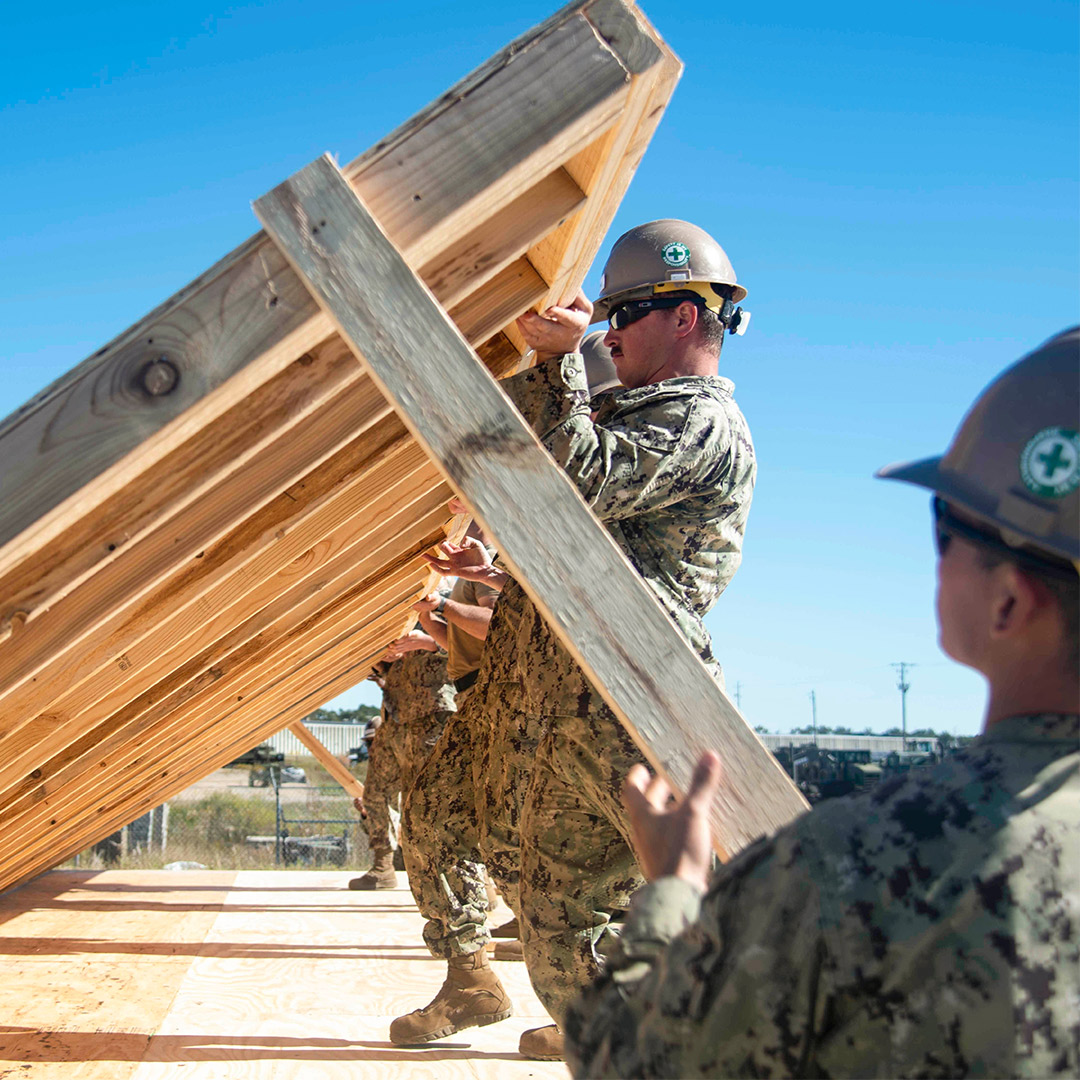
[
  {"x": 669, "y": 469},
  {"x": 417, "y": 686},
  {"x": 417, "y": 700},
  {"x": 927, "y": 928},
  {"x": 508, "y": 747},
  {"x": 382, "y": 787},
  {"x": 578, "y": 869},
  {"x": 451, "y": 894},
  {"x": 464, "y": 786}
]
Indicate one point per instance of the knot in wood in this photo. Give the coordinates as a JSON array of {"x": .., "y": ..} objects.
[{"x": 160, "y": 377}]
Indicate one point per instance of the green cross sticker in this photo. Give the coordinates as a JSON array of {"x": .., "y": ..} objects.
[
  {"x": 675, "y": 254},
  {"x": 1050, "y": 463}
]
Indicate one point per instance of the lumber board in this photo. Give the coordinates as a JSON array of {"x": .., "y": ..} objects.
[
  {"x": 228, "y": 677},
  {"x": 214, "y": 674},
  {"x": 349, "y": 783},
  {"x": 130, "y": 578},
  {"x": 296, "y": 599},
  {"x": 71, "y": 835},
  {"x": 212, "y": 525},
  {"x": 428, "y": 182},
  {"x": 272, "y": 411},
  {"x": 314, "y": 509},
  {"x": 145, "y": 776},
  {"x": 211, "y": 687},
  {"x": 659, "y": 689}
]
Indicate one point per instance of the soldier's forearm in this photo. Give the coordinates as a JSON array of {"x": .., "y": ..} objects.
[
  {"x": 471, "y": 618},
  {"x": 435, "y": 627}
]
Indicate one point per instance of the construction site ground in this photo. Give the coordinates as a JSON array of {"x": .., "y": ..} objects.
[
  {"x": 235, "y": 782},
  {"x": 219, "y": 974}
]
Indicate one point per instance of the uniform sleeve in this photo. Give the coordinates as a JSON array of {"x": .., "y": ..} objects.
[
  {"x": 659, "y": 453},
  {"x": 735, "y": 993}
]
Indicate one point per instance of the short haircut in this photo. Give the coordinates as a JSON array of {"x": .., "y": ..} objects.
[
  {"x": 712, "y": 329},
  {"x": 1065, "y": 590}
]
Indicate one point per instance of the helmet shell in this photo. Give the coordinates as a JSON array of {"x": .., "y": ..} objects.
[
  {"x": 1015, "y": 460},
  {"x": 661, "y": 256},
  {"x": 599, "y": 367}
]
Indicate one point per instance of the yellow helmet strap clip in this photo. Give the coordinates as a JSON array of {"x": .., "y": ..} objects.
[{"x": 734, "y": 319}]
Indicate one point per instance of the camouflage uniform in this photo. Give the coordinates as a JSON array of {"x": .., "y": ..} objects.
[
  {"x": 382, "y": 788},
  {"x": 506, "y": 754},
  {"x": 417, "y": 699},
  {"x": 445, "y": 850},
  {"x": 926, "y": 928},
  {"x": 669, "y": 469}
]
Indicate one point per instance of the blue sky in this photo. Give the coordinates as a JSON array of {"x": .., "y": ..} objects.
[{"x": 895, "y": 184}]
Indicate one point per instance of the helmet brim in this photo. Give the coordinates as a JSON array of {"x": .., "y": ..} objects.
[
  {"x": 951, "y": 486},
  {"x": 928, "y": 473},
  {"x": 924, "y": 473}
]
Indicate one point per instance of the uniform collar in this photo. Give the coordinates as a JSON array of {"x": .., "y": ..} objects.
[
  {"x": 678, "y": 382},
  {"x": 1036, "y": 727}
]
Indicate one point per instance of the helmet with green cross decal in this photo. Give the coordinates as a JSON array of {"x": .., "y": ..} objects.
[
  {"x": 671, "y": 256},
  {"x": 1015, "y": 460}
]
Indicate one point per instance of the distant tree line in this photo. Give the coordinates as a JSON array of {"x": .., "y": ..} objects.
[{"x": 360, "y": 715}]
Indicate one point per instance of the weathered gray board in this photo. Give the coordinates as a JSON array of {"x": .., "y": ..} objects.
[
  {"x": 557, "y": 549},
  {"x": 215, "y": 524}
]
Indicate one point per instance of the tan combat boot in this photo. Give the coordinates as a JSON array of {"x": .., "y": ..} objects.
[
  {"x": 380, "y": 876},
  {"x": 507, "y": 950},
  {"x": 472, "y": 996},
  {"x": 541, "y": 1044},
  {"x": 509, "y": 929}
]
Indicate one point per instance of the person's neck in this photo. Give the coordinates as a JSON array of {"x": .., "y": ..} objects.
[
  {"x": 1024, "y": 690},
  {"x": 692, "y": 362}
]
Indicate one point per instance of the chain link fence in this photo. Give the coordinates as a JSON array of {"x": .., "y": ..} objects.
[{"x": 266, "y": 814}]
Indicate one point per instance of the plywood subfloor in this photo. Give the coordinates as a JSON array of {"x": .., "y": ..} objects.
[{"x": 210, "y": 975}]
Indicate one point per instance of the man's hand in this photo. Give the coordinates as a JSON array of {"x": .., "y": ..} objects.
[
  {"x": 459, "y": 558},
  {"x": 413, "y": 641},
  {"x": 468, "y": 560},
  {"x": 358, "y": 803},
  {"x": 427, "y": 603},
  {"x": 558, "y": 330},
  {"x": 673, "y": 839}
]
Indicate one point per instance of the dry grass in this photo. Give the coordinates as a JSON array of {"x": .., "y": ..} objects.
[{"x": 212, "y": 827}]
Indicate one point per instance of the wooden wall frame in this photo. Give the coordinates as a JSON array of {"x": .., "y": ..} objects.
[{"x": 214, "y": 524}]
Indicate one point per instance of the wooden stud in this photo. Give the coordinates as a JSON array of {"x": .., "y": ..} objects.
[
  {"x": 351, "y": 785},
  {"x": 658, "y": 688}
]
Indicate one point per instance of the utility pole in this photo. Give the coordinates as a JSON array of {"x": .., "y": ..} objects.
[
  {"x": 813, "y": 712},
  {"x": 738, "y": 696},
  {"x": 903, "y": 686}
]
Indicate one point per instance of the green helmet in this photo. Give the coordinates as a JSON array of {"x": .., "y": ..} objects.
[
  {"x": 669, "y": 256},
  {"x": 1015, "y": 460}
]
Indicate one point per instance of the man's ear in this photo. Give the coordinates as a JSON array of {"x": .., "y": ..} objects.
[
  {"x": 687, "y": 316},
  {"x": 1016, "y": 599}
]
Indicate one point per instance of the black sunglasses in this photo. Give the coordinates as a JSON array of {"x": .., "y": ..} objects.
[
  {"x": 629, "y": 311},
  {"x": 947, "y": 525}
]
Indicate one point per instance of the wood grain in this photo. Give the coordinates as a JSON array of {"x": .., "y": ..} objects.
[
  {"x": 349, "y": 783},
  {"x": 462, "y": 162},
  {"x": 182, "y": 573},
  {"x": 658, "y": 688},
  {"x": 206, "y": 975}
]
